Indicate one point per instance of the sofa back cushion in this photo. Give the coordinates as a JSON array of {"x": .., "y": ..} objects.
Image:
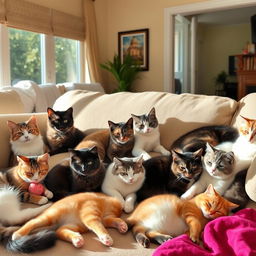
[
  {"x": 177, "y": 114},
  {"x": 10, "y": 102}
]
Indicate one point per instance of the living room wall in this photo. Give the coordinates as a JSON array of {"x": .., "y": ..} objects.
[
  {"x": 114, "y": 16},
  {"x": 215, "y": 44}
]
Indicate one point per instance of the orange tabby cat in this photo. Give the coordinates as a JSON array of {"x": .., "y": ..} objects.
[
  {"x": 78, "y": 213},
  {"x": 162, "y": 217},
  {"x": 29, "y": 170},
  {"x": 100, "y": 139}
]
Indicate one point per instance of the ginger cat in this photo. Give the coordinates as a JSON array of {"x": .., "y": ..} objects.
[
  {"x": 163, "y": 217},
  {"x": 76, "y": 214}
]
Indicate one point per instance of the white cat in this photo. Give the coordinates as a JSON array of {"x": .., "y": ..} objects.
[
  {"x": 244, "y": 147},
  {"x": 147, "y": 135},
  {"x": 124, "y": 177},
  {"x": 25, "y": 138},
  {"x": 218, "y": 171}
]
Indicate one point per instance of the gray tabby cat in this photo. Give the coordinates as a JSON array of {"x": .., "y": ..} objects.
[
  {"x": 147, "y": 135},
  {"x": 218, "y": 171},
  {"x": 124, "y": 177}
]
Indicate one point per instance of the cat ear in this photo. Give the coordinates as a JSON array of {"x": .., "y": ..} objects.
[
  {"x": 175, "y": 154},
  {"x": 11, "y": 125},
  {"x": 69, "y": 111},
  {"x": 135, "y": 118},
  {"x": 231, "y": 157},
  {"x": 94, "y": 150},
  {"x": 130, "y": 122},
  {"x": 50, "y": 112},
  {"x": 140, "y": 160},
  {"x": 111, "y": 125},
  {"x": 232, "y": 205},
  {"x": 198, "y": 153},
  {"x": 32, "y": 120},
  {"x": 152, "y": 112},
  {"x": 210, "y": 190},
  {"x": 117, "y": 161},
  {"x": 43, "y": 158},
  {"x": 23, "y": 159},
  {"x": 247, "y": 119},
  {"x": 72, "y": 151},
  {"x": 209, "y": 147}
]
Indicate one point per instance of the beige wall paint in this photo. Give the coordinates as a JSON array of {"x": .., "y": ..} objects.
[
  {"x": 122, "y": 15},
  {"x": 73, "y": 7},
  {"x": 216, "y": 43}
]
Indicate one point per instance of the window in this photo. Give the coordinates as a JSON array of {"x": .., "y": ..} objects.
[
  {"x": 24, "y": 55},
  {"x": 43, "y": 59},
  {"x": 66, "y": 60}
]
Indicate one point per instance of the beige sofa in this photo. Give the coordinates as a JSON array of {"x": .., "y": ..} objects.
[{"x": 177, "y": 114}]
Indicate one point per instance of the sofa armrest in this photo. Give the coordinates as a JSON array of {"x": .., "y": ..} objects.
[
  {"x": 250, "y": 183},
  {"x": 5, "y": 148}
]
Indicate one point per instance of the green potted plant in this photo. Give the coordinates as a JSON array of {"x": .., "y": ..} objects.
[
  {"x": 125, "y": 72},
  {"x": 220, "y": 81}
]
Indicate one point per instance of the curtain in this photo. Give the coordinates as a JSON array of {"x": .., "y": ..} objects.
[{"x": 91, "y": 42}]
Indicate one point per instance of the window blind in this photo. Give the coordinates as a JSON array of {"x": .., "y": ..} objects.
[{"x": 25, "y": 15}]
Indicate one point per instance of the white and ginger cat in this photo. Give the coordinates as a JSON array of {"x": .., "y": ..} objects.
[
  {"x": 162, "y": 217},
  {"x": 147, "y": 135},
  {"x": 218, "y": 170},
  {"x": 124, "y": 177},
  {"x": 244, "y": 147},
  {"x": 76, "y": 214},
  {"x": 25, "y": 139}
]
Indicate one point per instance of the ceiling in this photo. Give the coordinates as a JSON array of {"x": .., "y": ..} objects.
[{"x": 234, "y": 16}]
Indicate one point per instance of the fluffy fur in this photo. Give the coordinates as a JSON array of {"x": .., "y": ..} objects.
[
  {"x": 162, "y": 217},
  {"x": 25, "y": 139},
  {"x": 61, "y": 133},
  {"x": 218, "y": 171},
  {"x": 147, "y": 135},
  {"x": 29, "y": 169},
  {"x": 123, "y": 178},
  {"x": 77, "y": 214}
]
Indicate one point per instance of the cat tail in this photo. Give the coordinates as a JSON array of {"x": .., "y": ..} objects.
[
  {"x": 31, "y": 243},
  {"x": 13, "y": 214},
  {"x": 139, "y": 232}
]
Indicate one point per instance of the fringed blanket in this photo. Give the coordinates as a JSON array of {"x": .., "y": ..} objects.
[{"x": 225, "y": 236}]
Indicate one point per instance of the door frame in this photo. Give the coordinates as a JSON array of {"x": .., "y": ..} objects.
[{"x": 189, "y": 9}]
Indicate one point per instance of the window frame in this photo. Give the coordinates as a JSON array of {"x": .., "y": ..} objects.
[{"x": 47, "y": 59}]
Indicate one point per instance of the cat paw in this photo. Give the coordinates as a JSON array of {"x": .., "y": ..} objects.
[
  {"x": 128, "y": 207},
  {"x": 16, "y": 236},
  {"x": 78, "y": 241},
  {"x": 186, "y": 196},
  {"x": 122, "y": 227},
  {"x": 43, "y": 200},
  {"x": 48, "y": 194},
  {"x": 165, "y": 152},
  {"x": 163, "y": 238},
  {"x": 146, "y": 156},
  {"x": 195, "y": 239},
  {"x": 142, "y": 240},
  {"x": 106, "y": 240}
]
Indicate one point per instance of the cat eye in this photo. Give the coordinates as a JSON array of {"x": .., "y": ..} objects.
[
  {"x": 90, "y": 163},
  {"x": 20, "y": 133},
  {"x": 29, "y": 174},
  {"x": 141, "y": 126},
  {"x": 183, "y": 168},
  {"x": 65, "y": 121},
  {"x": 209, "y": 162},
  {"x": 123, "y": 174}
]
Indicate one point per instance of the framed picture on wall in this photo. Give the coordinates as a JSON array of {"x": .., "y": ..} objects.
[{"x": 135, "y": 43}]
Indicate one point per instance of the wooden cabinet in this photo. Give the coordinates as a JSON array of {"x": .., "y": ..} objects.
[{"x": 246, "y": 74}]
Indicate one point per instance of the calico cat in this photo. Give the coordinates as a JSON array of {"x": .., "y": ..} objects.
[
  {"x": 163, "y": 217},
  {"x": 124, "y": 176},
  {"x": 82, "y": 172},
  {"x": 147, "y": 135},
  {"x": 121, "y": 140},
  {"x": 236, "y": 192},
  {"x": 25, "y": 139},
  {"x": 218, "y": 171},
  {"x": 197, "y": 138},
  {"x": 170, "y": 174},
  {"x": 61, "y": 133},
  {"x": 29, "y": 170},
  {"x": 77, "y": 214},
  {"x": 117, "y": 141}
]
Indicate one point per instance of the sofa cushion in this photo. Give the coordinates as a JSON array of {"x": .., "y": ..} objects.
[
  {"x": 10, "y": 102},
  {"x": 177, "y": 114}
]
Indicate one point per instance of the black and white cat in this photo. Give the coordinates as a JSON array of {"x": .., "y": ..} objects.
[
  {"x": 147, "y": 135},
  {"x": 218, "y": 171},
  {"x": 124, "y": 177},
  {"x": 82, "y": 172}
]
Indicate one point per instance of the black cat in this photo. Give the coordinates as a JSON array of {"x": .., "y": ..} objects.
[
  {"x": 61, "y": 133},
  {"x": 83, "y": 172},
  {"x": 170, "y": 174}
]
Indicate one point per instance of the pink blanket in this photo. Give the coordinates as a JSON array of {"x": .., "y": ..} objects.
[{"x": 225, "y": 236}]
